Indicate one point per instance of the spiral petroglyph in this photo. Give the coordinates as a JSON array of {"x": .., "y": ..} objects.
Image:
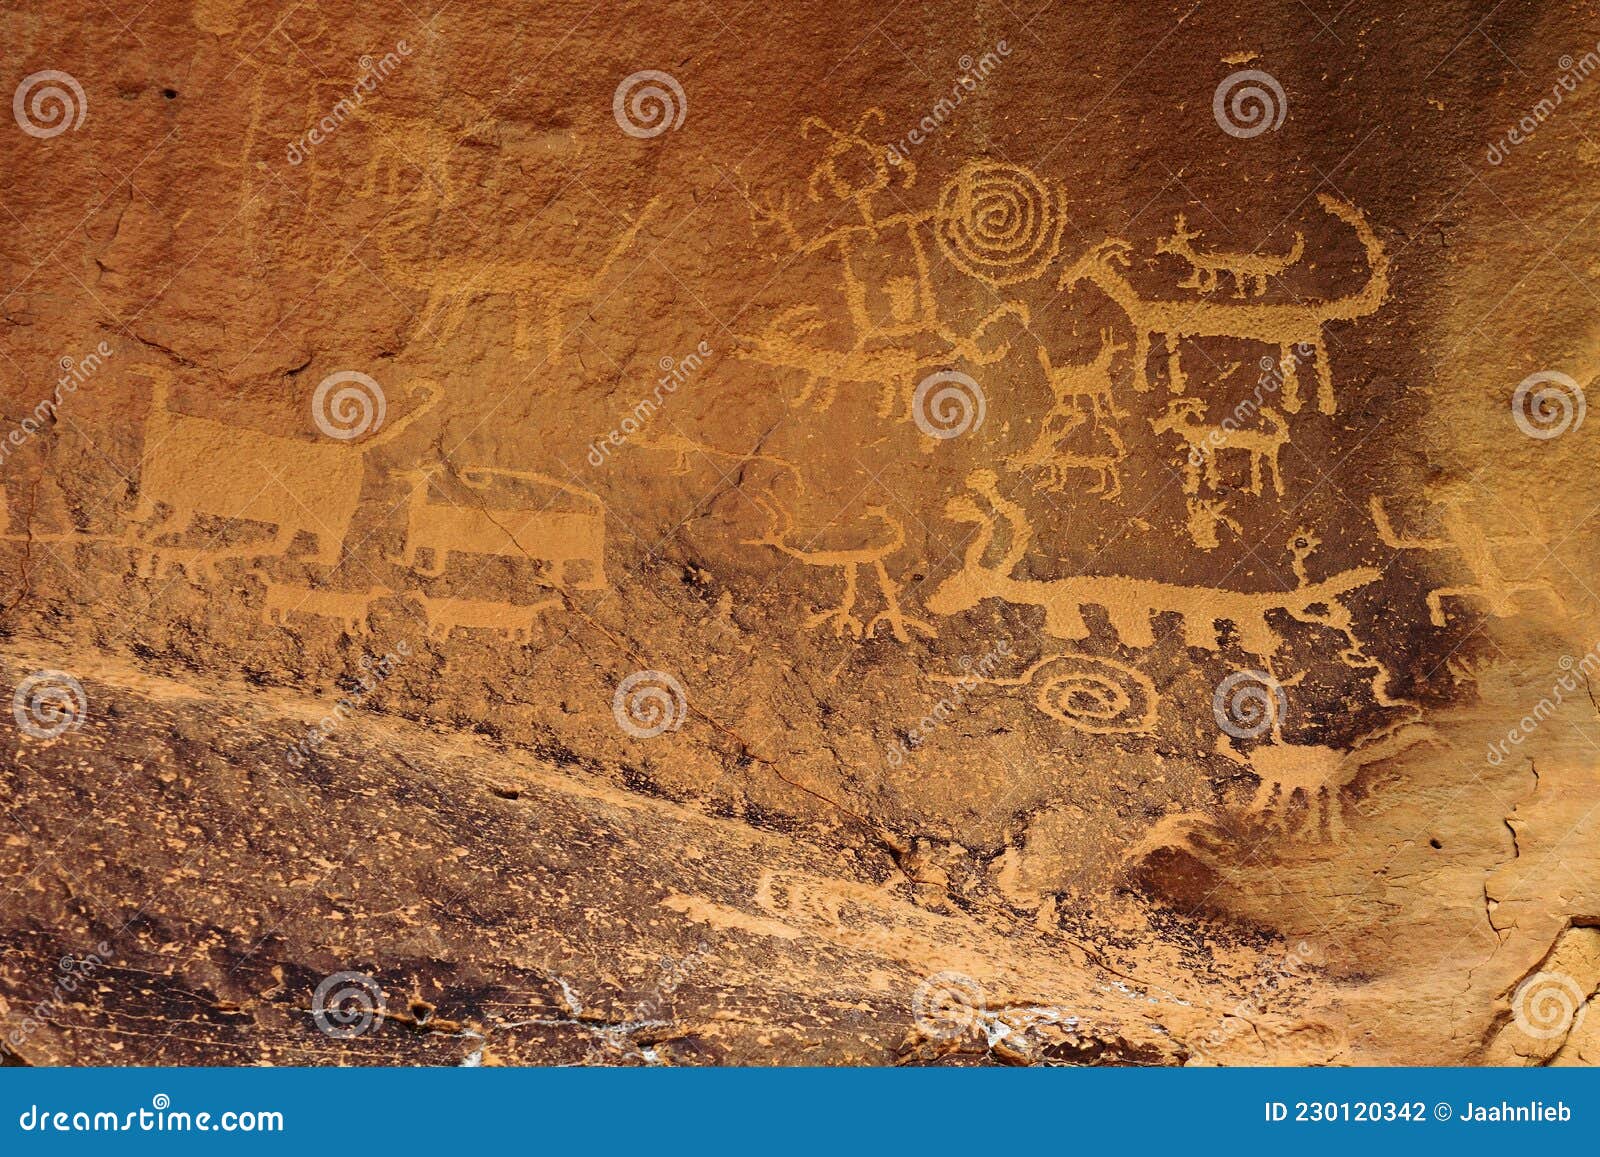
[
  {"x": 1097, "y": 695},
  {"x": 999, "y": 223}
]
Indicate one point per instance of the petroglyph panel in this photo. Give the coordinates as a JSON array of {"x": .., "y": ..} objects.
[{"x": 1026, "y": 523}]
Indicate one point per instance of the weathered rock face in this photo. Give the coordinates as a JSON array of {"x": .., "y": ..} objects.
[{"x": 962, "y": 537}]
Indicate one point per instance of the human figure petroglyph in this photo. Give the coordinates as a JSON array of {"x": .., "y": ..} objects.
[
  {"x": 453, "y": 282},
  {"x": 1185, "y": 417},
  {"x": 1131, "y": 604},
  {"x": 1091, "y": 693},
  {"x": 1465, "y": 535},
  {"x": 514, "y": 621},
  {"x": 195, "y": 466},
  {"x": 1284, "y": 325},
  {"x": 849, "y": 563},
  {"x": 1244, "y": 268},
  {"x": 888, "y": 346},
  {"x": 557, "y": 539},
  {"x": 349, "y": 607}
]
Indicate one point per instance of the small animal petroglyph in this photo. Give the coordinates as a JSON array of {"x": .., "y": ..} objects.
[
  {"x": 558, "y": 539},
  {"x": 515, "y": 622},
  {"x": 1185, "y": 417},
  {"x": 1090, "y": 382},
  {"x": 849, "y": 562},
  {"x": 1316, "y": 774},
  {"x": 1284, "y": 325},
  {"x": 1131, "y": 604},
  {"x": 1464, "y": 534},
  {"x": 1056, "y": 451},
  {"x": 349, "y": 607},
  {"x": 1205, "y": 515},
  {"x": 196, "y": 466},
  {"x": 453, "y": 282},
  {"x": 1244, "y": 268}
]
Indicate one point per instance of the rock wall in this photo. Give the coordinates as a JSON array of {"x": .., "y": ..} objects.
[{"x": 799, "y": 535}]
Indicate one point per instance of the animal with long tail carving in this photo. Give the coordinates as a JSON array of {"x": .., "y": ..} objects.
[{"x": 1282, "y": 324}]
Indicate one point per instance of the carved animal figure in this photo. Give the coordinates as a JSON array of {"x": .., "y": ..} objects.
[
  {"x": 197, "y": 466},
  {"x": 894, "y": 369},
  {"x": 1131, "y": 604},
  {"x": 1284, "y": 325},
  {"x": 349, "y": 607},
  {"x": 1465, "y": 534},
  {"x": 843, "y": 618},
  {"x": 1051, "y": 461},
  {"x": 1090, "y": 382},
  {"x": 556, "y": 538},
  {"x": 1244, "y": 268},
  {"x": 1185, "y": 417},
  {"x": 454, "y": 281},
  {"x": 1205, "y": 515},
  {"x": 423, "y": 143},
  {"x": 515, "y": 622}
]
